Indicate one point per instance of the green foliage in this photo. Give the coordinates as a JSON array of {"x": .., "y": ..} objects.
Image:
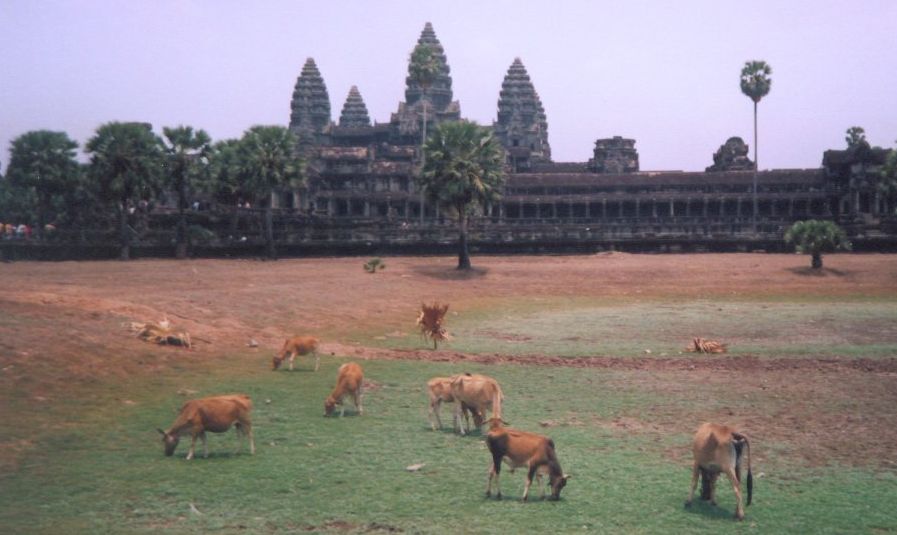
[
  {"x": 465, "y": 165},
  {"x": 43, "y": 162},
  {"x": 855, "y": 136},
  {"x": 815, "y": 237},
  {"x": 755, "y": 81},
  {"x": 226, "y": 179},
  {"x": 187, "y": 158},
  {"x": 373, "y": 265},
  {"x": 424, "y": 66},
  {"x": 127, "y": 161}
]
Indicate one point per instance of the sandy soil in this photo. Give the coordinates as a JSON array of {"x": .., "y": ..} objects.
[{"x": 83, "y": 307}]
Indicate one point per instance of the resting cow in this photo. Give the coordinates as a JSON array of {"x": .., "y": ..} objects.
[
  {"x": 297, "y": 345},
  {"x": 719, "y": 448},
  {"x": 440, "y": 390},
  {"x": 349, "y": 381},
  {"x": 215, "y": 414},
  {"x": 519, "y": 448},
  {"x": 479, "y": 393}
]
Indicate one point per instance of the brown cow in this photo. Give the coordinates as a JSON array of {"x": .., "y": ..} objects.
[
  {"x": 479, "y": 393},
  {"x": 349, "y": 380},
  {"x": 440, "y": 390},
  {"x": 719, "y": 448},
  {"x": 215, "y": 414},
  {"x": 519, "y": 448},
  {"x": 297, "y": 345}
]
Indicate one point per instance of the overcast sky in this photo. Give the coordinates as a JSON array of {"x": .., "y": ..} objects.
[{"x": 664, "y": 73}]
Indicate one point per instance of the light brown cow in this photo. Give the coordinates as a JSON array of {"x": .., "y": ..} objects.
[
  {"x": 719, "y": 448},
  {"x": 520, "y": 448},
  {"x": 440, "y": 390},
  {"x": 215, "y": 414},
  {"x": 349, "y": 380},
  {"x": 479, "y": 393},
  {"x": 297, "y": 345}
]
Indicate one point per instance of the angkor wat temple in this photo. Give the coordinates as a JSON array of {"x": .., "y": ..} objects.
[{"x": 361, "y": 188}]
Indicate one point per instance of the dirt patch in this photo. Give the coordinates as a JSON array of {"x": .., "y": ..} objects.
[{"x": 61, "y": 329}]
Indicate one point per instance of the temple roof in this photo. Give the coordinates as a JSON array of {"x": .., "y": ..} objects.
[
  {"x": 440, "y": 93},
  {"x": 521, "y": 118},
  {"x": 355, "y": 113},
  {"x": 311, "y": 103},
  {"x": 667, "y": 178}
]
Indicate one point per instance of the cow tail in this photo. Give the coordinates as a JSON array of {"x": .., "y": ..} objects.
[{"x": 750, "y": 476}]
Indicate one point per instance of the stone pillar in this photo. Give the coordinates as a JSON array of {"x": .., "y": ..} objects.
[
  {"x": 588, "y": 209},
  {"x": 367, "y": 209},
  {"x": 637, "y": 210},
  {"x": 704, "y": 208},
  {"x": 791, "y": 207},
  {"x": 603, "y": 208},
  {"x": 672, "y": 208},
  {"x": 654, "y": 208}
]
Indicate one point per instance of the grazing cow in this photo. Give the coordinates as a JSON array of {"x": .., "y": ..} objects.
[
  {"x": 349, "y": 380},
  {"x": 215, "y": 414},
  {"x": 440, "y": 390},
  {"x": 519, "y": 448},
  {"x": 478, "y": 393},
  {"x": 297, "y": 345},
  {"x": 719, "y": 448}
]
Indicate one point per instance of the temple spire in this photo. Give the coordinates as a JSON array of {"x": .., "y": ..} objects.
[
  {"x": 311, "y": 103},
  {"x": 355, "y": 113},
  {"x": 521, "y": 125},
  {"x": 440, "y": 94}
]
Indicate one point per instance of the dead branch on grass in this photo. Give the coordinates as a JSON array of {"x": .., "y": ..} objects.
[{"x": 701, "y": 345}]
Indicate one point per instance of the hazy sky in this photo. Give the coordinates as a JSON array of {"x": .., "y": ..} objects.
[{"x": 665, "y": 73}]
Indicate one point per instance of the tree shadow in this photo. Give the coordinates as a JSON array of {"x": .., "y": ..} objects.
[
  {"x": 807, "y": 271},
  {"x": 443, "y": 273}
]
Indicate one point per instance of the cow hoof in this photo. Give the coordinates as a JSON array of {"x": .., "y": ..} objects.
[
  {"x": 488, "y": 493},
  {"x": 739, "y": 517},
  {"x": 688, "y": 504}
]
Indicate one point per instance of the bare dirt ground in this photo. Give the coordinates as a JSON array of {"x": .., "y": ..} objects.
[{"x": 62, "y": 324}]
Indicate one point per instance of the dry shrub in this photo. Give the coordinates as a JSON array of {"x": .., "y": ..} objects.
[{"x": 432, "y": 322}]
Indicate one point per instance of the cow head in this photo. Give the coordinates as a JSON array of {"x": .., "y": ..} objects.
[
  {"x": 169, "y": 441},
  {"x": 275, "y": 362},
  {"x": 557, "y": 484},
  {"x": 329, "y": 405}
]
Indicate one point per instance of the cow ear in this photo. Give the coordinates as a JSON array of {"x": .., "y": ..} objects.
[
  {"x": 567, "y": 476},
  {"x": 159, "y": 430}
]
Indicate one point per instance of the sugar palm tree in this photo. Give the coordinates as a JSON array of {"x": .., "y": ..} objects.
[
  {"x": 227, "y": 181},
  {"x": 815, "y": 237},
  {"x": 464, "y": 168},
  {"x": 187, "y": 156},
  {"x": 423, "y": 69},
  {"x": 127, "y": 161},
  {"x": 44, "y": 163},
  {"x": 270, "y": 161},
  {"x": 755, "y": 84}
]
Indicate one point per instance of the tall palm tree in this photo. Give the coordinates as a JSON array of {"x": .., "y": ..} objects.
[
  {"x": 127, "y": 161},
  {"x": 755, "y": 84},
  {"x": 227, "y": 178},
  {"x": 464, "y": 168},
  {"x": 423, "y": 69},
  {"x": 44, "y": 163},
  {"x": 187, "y": 154},
  {"x": 270, "y": 160}
]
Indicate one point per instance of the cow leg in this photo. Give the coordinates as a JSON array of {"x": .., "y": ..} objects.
[
  {"x": 192, "y": 447},
  {"x": 435, "y": 405},
  {"x": 529, "y": 480},
  {"x": 359, "y": 403},
  {"x": 292, "y": 358},
  {"x": 205, "y": 445},
  {"x": 317, "y": 360},
  {"x": 238, "y": 427},
  {"x": 739, "y": 509},
  {"x": 495, "y": 472},
  {"x": 695, "y": 471},
  {"x": 459, "y": 425},
  {"x": 539, "y": 484}
]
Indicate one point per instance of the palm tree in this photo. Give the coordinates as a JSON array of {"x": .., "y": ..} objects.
[
  {"x": 888, "y": 183},
  {"x": 464, "y": 168},
  {"x": 44, "y": 163},
  {"x": 423, "y": 69},
  {"x": 187, "y": 155},
  {"x": 270, "y": 161},
  {"x": 227, "y": 178},
  {"x": 127, "y": 160},
  {"x": 755, "y": 84},
  {"x": 815, "y": 237}
]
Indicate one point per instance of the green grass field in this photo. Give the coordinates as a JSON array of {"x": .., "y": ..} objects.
[{"x": 104, "y": 472}]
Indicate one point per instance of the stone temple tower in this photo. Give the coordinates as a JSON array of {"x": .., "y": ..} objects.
[
  {"x": 310, "y": 105},
  {"x": 440, "y": 106},
  {"x": 355, "y": 113},
  {"x": 521, "y": 126}
]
